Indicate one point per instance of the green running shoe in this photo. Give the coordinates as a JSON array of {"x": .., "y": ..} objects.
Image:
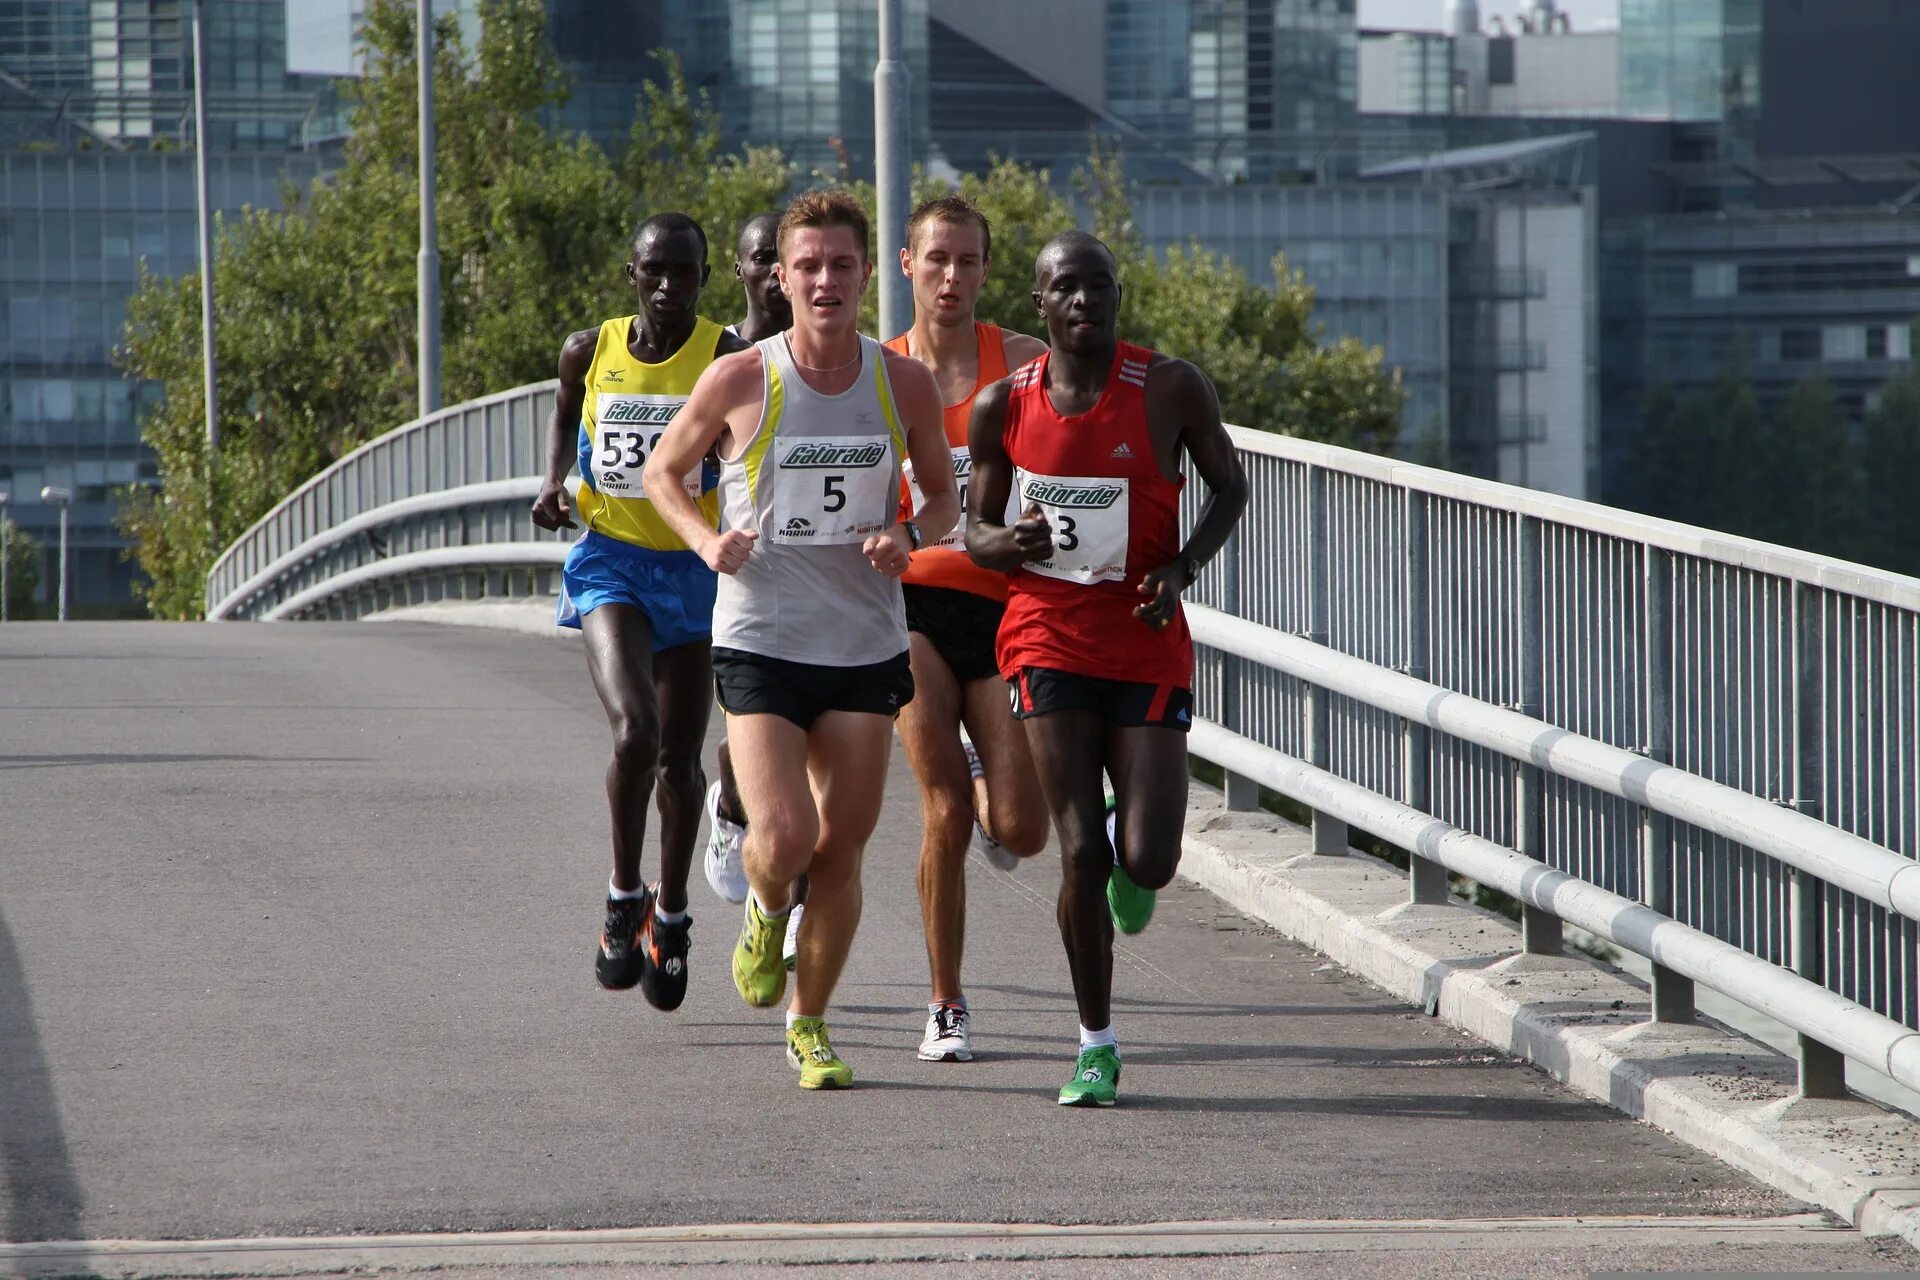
[
  {"x": 809, "y": 1050},
  {"x": 758, "y": 974},
  {"x": 1129, "y": 905},
  {"x": 1096, "y": 1078}
]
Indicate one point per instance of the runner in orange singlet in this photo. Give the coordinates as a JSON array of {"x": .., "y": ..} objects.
[{"x": 977, "y": 781}]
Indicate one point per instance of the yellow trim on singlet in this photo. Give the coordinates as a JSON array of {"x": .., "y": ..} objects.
[
  {"x": 617, "y": 378},
  {"x": 883, "y": 392},
  {"x": 773, "y": 403}
]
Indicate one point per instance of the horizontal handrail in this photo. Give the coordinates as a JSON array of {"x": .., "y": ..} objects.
[
  {"x": 1858, "y": 866},
  {"x": 482, "y": 555}
]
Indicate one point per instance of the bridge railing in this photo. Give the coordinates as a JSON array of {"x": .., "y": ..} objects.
[
  {"x": 436, "y": 506},
  {"x": 1703, "y": 748}
]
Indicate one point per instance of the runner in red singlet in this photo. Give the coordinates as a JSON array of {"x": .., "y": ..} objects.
[
  {"x": 1092, "y": 438},
  {"x": 982, "y": 788}
]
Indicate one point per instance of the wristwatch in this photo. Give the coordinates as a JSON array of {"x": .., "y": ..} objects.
[
  {"x": 1191, "y": 568},
  {"x": 913, "y": 533}
]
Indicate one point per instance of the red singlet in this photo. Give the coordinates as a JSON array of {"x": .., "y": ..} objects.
[
  {"x": 946, "y": 563},
  {"x": 1114, "y": 517}
]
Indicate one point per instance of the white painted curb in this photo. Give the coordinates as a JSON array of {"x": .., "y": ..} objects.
[{"x": 1583, "y": 1023}]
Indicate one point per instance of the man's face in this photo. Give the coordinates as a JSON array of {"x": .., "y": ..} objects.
[
  {"x": 668, "y": 268},
  {"x": 757, "y": 267},
  {"x": 1079, "y": 298},
  {"x": 823, "y": 272},
  {"x": 947, "y": 264}
]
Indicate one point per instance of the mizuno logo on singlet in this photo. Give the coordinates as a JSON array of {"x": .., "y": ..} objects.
[
  {"x": 631, "y": 413},
  {"x": 613, "y": 375},
  {"x": 834, "y": 455},
  {"x": 1093, "y": 496}
]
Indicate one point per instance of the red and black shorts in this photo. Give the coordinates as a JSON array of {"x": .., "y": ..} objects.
[{"x": 1124, "y": 703}]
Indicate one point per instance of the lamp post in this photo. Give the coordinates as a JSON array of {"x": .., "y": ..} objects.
[
  {"x": 892, "y": 136},
  {"x": 429, "y": 267},
  {"x": 63, "y": 499},
  {"x": 206, "y": 230},
  {"x": 6, "y": 583}
]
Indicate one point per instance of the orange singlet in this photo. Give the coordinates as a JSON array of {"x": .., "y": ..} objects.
[{"x": 946, "y": 563}]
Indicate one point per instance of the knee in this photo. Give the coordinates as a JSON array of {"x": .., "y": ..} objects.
[
  {"x": 1153, "y": 872},
  {"x": 948, "y": 818},
  {"x": 1023, "y": 833},
  {"x": 681, "y": 769},
  {"x": 783, "y": 840},
  {"x": 1086, "y": 860},
  {"x": 832, "y": 873},
  {"x": 636, "y": 741}
]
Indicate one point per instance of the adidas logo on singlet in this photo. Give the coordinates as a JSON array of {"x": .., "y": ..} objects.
[
  {"x": 1133, "y": 372},
  {"x": 1026, "y": 375},
  {"x": 1121, "y": 451}
]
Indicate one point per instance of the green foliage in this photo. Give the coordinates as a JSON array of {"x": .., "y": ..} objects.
[
  {"x": 1890, "y": 522},
  {"x": 316, "y": 323},
  {"x": 24, "y": 558}
]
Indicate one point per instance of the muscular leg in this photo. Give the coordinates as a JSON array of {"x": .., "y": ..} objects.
[
  {"x": 930, "y": 733},
  {"x": 683, "y": 688},
  {"x": 847, "y": 761},
  {"x": 1069, "y": 748},
  {"x": 1014, "y": 812},
  {"x": 1149, "y": 767},
  {"x": 620, "y": 660},
  {"x": 770, "y": 753}
]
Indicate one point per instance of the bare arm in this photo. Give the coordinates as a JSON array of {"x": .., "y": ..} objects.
[
  {"x": 917, "y": 397},
  {"x": 991, "y": 544},
  {"x": 1180, "y": 395},
  {"x": 1020, "y": 348},
  {"x": 550, "y": 508},
  {"x": 728, "y": 389}
]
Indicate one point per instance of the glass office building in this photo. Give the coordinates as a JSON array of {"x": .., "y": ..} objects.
[{"x": 1693, "y": 60}]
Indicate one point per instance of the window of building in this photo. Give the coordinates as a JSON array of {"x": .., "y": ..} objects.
[
  {"x": 1799, "y": 344},
  {"x": 1844, "y": 342},
  {"x": 1715, "y": 279},
  {"x": 1876, "y": 342}
]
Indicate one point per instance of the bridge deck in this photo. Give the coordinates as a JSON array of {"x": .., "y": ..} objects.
[{"x": 295, "y": 933}]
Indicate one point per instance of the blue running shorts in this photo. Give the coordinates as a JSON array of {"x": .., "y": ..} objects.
[{"x": 674, "y": 589}]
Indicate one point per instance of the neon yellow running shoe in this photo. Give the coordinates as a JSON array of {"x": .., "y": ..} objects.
[
  {"x": 758, "y": 974},
  {"x": 809, "y": 1050},
  {"x": 1096, "y": 1078}
]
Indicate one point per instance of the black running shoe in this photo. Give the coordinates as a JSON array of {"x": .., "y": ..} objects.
[
  {"x": 622, "y": 958},
  {"x": 663, "y": 948}
]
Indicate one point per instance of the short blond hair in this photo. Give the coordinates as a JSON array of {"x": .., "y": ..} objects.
[{"x": 826, "y": 208}]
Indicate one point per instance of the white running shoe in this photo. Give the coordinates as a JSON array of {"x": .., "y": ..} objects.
[
  {"x": 949, "y": 1038},
  {"x": 975, "y": 769},
  {"x": 992, "y": 850},
  {"x": 724, "y": 870},
  {"x": 790, "y": 948}
]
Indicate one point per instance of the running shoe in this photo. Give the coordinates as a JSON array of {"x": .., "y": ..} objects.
[
  {"x": 621, "y": 960},
  {"x": 949, "y": 1037},
  {"x": 974, "y": 768},
  {"x": 790, "y": 945},
  {"x": 992, "y": 850},
  {"x": 663, "y": 976},
  {"x": 1096, "y": 1078},
  {"x": 758, "y": 974},
  {"x": 809, "y": 1050},
  {"x": 725, "y": 871},
  {"x": 1130, "y": 906}
]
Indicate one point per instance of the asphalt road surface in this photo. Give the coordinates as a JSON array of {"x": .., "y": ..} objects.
[{"x": 296, "y": 934}]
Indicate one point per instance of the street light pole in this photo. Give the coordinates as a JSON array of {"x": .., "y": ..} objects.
[
  {"x": 892, "y": 136},
  {"x": 63, "y": 499},
  {"x": 429, "y": 316},
  {"x": 6, "y": 584},
  {"x": 206, "y": 235}
]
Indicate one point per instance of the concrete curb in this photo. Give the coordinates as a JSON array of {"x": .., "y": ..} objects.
[{"x": 1581, "y": 1022}]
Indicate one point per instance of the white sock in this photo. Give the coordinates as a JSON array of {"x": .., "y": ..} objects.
[
  {"x": 793, "y": 1017},
  {"x": 624, "y": 895},
  {"x": 668, "y": 917},
  {"x": 1095, "y": 1039},
  {"x": 767, "y": 911},
  {"x": 935, "y": 1006}
]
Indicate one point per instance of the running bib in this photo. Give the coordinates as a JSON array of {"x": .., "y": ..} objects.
[
  {"x": 832, "y": 490},
  {"x": 626, "y": 431},
  {"x": 962, "y": 474},
  {"x": 1089, "y": 519}
]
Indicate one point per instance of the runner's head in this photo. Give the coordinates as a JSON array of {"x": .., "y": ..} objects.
[
  {"x": 756, "y": 257},
  {"x": 669, "y": 267},
  {"x": 824, "y": 263},
  {"x": 1076, "y": 286},
  {"x": 948, "y": 245}
]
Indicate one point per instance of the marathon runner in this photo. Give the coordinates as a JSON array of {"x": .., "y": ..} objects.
[
  {"x": 643, "y": 601},
  {"x": 810, "y": 642},
  {"x": 1091, "y": 436}
]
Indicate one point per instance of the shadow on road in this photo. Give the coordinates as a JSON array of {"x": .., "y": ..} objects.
[
  {"x": 157, "y": 757},
  {"x": 44, "y": 1201}
]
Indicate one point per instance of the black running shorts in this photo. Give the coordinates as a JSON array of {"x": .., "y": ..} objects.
[
  {"x": 1124, "y": 704},
  {"x": 749, "y": 684},
  {"x": 961, "y": 625}
]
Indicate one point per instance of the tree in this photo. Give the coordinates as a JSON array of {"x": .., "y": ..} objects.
[
  {"x": 1890, "y": 520},
  {"x": 24, "y": 557}
]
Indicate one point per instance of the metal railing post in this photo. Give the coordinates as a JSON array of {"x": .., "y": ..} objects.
[
  {"x": 1426, "y": 879},
  {"x": 1243, "y": 793},
  {"x": 1540, "y": 931},
  {"x": 1672, "y": 993},
  {"x": 1330, "y": 834},
  {"x": 1823, "y": 1070}
]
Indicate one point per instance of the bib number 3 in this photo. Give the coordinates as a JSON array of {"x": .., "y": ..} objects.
[{"x": 1089, "y": 519}]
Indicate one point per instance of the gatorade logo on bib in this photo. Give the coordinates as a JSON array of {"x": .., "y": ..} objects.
[
  {"x": 1088, "y": 516},
  {"x": 829, "y": 491},
  {"x": 626, "y": 431}
]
